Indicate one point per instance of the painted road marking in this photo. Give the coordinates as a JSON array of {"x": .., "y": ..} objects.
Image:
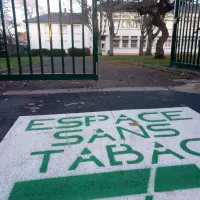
[{"x": 128, "y": 154}]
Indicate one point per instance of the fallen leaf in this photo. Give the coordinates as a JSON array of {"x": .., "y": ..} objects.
[{"x": 134, "y": 124}]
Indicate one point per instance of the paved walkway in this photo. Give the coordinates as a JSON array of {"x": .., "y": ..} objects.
[{"x": 111, "y": 74}]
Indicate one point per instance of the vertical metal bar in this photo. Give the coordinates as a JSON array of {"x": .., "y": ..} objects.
[
  {"x": 83, "y": 33},
  {"x": 174, "y": 33},
  {"x": 39, "y": 37},
  {"x": 180, "y": 29},
  {"x": 193, "y": 32},
  {"x": 197, "y": 34},
  {"x": 198, "y": 56},
  {"x": 50, "y": 36},
  {"x": 183, "y": 31},
  {"x": 5, "y": 38},
  {"x": 16, "y": 36},
  {"x": 72, "y": 36},
  {"x": 28, "y": 37},
  {"x": 190, "y": 29},
  {"x": 94, "y": 29},
  {"x": 61, "y": 36},
  {"x": 186, "y": 35}
]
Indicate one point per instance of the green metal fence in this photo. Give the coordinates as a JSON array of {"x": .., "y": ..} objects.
[
  {"x": 71, "y": 68},
  {"x": 186, "y": 34}
]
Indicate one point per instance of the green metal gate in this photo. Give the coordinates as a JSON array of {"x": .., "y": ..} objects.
[
  {"x": 71, "y": 68},
  {"x": 186, "y": 34}
]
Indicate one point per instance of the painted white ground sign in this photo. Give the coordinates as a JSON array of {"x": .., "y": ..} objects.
[{"x": 128, "y": 154}]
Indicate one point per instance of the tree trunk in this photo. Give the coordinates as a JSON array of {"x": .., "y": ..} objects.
[
  {"x": 149, "y": 45},
  {"x": 141, "y": 51},
  {"x": 111, "y": 45},
  {"x": 157, "y": 21}
]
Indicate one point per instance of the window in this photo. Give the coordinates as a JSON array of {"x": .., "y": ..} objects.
[
  {"x": 103, "y": 38},
  {"x": 116, "y": 42},
  {"x": 77, "y": 29},
  {"x": 103, "y": 46},
  {"x": 116, "y": 23},
  {"x": 64, "y": 29},
  {"x": 47, "y": 28},
  {"x": 129, "y": 24},
  {"x": 134, "y": 40},
  {"x": 125, "y": 40},
  {"x": 168, "y": 43}
]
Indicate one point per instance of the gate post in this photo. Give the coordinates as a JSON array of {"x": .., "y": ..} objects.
[{"x": 176, "y": 21}]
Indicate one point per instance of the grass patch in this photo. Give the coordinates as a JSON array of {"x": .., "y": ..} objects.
[
  {"x": 139, "y": 59},
  {"x": 14, "y": 62}
]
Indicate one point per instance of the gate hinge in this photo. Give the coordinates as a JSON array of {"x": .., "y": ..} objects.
[{"x": 176, "y": 20}]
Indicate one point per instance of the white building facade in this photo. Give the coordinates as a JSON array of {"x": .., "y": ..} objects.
[
  {"x": 56, "y": 33},
  {"x": 127, "y": 38},
  {"x": 126, "y": 41}
]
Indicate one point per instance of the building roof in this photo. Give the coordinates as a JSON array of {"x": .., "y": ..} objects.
[{"x": 55, "y": 18}]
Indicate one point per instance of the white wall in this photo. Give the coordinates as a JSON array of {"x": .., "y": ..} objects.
[
  {"x": 134, "y": 31},
  {"x": 67, "y": 40},
  {"x": 122, "y": 31}
]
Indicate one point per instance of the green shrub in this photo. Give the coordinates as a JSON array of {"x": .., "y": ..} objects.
[
  {"x": 57, "y": 52},
  {"x": 36, "y": 52},
  {"x": 79, "y": 52}
]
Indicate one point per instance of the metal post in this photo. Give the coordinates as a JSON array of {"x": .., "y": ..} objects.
[
  {"x": 174, "y": 33},
  {"x": 193, "y": 33},
  {"x": 83, "y": 33},
  {"x": 28, "y": 37},
  {"x": 72, "y": 36},
  {"x": 186, "y": 35},
  {"x": 5, "y": 39},
  {"x": 50, "y": 36},
  {"x": 16, "y": 36},
  {"x": 183, "y": 29},
  {"x": 197, "y": 34},
  {"x": 94, "y": 28},
  {"x": 39, "y": 37},
  {"x": 61, "y": 35},
  {"x": 180, "y": 29},
  {"x": 190, "y": 29}
]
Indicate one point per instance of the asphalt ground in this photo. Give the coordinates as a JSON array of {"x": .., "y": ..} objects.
[{"x": 13, "y": 106}]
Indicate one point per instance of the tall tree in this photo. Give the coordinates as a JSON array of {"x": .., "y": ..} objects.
[
  {"x": 109, "y": 8},
  {"x": 155, "y": 8},
  {"x": 143, "y": 31}
]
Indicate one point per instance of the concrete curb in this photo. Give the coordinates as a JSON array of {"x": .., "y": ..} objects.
[
  {"x": 173, "y": 70},
  {"x": 190, "y": 87}
]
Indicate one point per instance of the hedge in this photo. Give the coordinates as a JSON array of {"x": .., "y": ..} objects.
[
  {"x": 57, "y": 52},
  {"x": 79, "y": 52},
  {"x": 36, "y": 52}
]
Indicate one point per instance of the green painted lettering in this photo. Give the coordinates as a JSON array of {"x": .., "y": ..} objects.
[
  {"x": 68, "y": 123},
  {"x": 100, "y": 134},
  {"x": 89, "y": 119},
  {"x": 63, "y": 135},
  {"x": 37, "y": 126},
  {"x": 121, "y": 131},
  {"x": 188, "y": 150},
  {"x": 128, "y": 150},
  {"x": 143, "y": 118},
  {"x": 123, "y": 118},
  {"x": 103, "y": 117},
  {"x": 157, "y": 153},
  {"x": 162, "y": 129},
  {"x": 46, "y": 158},
  {"x": 173, "y": 117},
  {"x": 91, "y": 158}
]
